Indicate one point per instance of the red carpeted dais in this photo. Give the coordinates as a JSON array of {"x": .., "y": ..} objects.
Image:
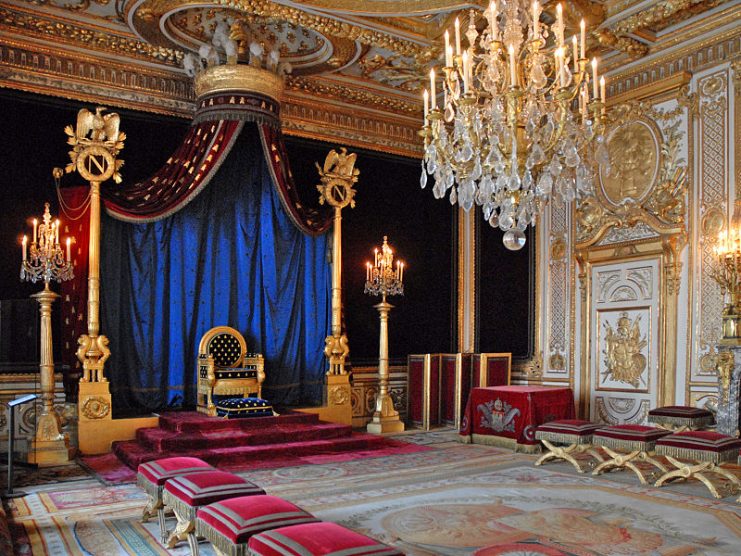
[{"x": 290, "y": 439}]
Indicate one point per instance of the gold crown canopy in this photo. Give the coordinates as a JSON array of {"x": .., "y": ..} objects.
[{"x": 238, "y": 77}]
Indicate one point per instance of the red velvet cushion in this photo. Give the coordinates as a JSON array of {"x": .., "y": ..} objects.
[
  {"x": 237, "y": 519},
  {"x": 639, "y": 433},
  {"x": 685, "y": 411},
  {"x": 707, "y": 441},
  {"x": 199, "y": 489},
  {"x": 317, "y": 539},
  {"x": 576, "y": 427},
  {"x": 159, "y": 470}
]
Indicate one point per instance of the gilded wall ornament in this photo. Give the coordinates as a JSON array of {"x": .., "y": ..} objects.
[
  {"x": 623, "y": 358},
  {"x": 338, "y": 395},
  {"x": 648, "y": 178},
  {"x": 95, "y": 407},
  {"x": 634, "y": 154}
]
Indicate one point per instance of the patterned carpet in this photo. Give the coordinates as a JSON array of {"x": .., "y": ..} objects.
[{"x": 452, "y": 499}]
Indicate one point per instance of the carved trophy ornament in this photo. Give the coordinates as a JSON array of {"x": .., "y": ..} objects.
[{"x": 623, "y": 347}]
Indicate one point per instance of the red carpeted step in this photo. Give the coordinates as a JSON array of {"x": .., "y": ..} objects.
[
  {"x": 132, "y": 453},
  {"x": 192, "y": 421},
  {"x": 161, "y": 440}
]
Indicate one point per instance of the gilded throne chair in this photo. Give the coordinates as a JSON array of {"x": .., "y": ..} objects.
[{"x": 226, "y": 370}]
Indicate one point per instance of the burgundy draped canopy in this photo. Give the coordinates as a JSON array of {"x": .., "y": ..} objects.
[{"x": 218, "y": 122}]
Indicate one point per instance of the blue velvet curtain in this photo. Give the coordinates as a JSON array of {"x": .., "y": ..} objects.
[{"x": 231, "y": 257}]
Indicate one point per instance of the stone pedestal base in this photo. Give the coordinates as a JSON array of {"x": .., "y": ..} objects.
[{"x": 48, "y": 453}]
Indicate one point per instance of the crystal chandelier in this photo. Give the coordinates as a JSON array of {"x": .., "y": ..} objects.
[{"x": 519, "y": 121}]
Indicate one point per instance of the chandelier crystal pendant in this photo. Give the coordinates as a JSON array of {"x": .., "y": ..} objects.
[{"x": 519, "y": 121}]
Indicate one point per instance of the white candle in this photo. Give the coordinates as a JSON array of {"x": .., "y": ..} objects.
[
  {"x": 447, "y": 46},
  {"x": 492, "y": 13},
  {"x": 457, "y": 37},
  {"x": 594, "y": 78},
  {"x": 512, "y": 69},
  {"x": 426, "y": 97},
  {"x": 576, "y": 62},
  {"x": 25, "y": 242},
  {"x": 559, "y": 24},
  {"x": 465, "y": 71},
  {"x": 557, "y": 58},
  {"x": 449, "y": 57},
  {"x": 433, "y": 100},
  {"x": 56, "y": 232},
  {"x": 561, "y": 53},
  {"x": 536, "y": 17},
  {"x": 583, "y": 27},
  {"x": 69, "y": 257},
  {"x": 401, "y": 274},
  {"x": 602, "y": 94},
  {"x": 35, "y": 222}
]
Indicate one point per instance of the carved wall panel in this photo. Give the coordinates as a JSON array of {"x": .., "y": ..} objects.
[
  {"x": 624, "y": 336},
  {"x": 365, "y": 388}
]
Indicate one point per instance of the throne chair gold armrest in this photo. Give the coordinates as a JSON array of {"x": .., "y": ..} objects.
[{"x": 226, "y": 369}]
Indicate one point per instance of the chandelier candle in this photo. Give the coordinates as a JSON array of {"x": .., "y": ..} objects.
[{"x": 506, "y": 136}]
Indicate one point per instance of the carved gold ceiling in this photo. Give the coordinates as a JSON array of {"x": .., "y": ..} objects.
[{"x": 365, "y": 60}]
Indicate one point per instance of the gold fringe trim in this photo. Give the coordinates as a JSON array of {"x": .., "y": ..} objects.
[
  {"x": 563, "y": 438},
  {"x": 502, "y": 442},
  {"x": 217, "y": 539},
  {"x": 182, "y": 509},
  {"x": 687, "y": 421},
  {"x": 149, "y": 487},
  {"x": 623, "y": 445},
  {"x": 696, "y": 455},
  {"x": 464, "y": 439}
]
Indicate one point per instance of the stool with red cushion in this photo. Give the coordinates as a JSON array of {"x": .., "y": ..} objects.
[
  {"x": 229, "y": 524},
  {"x": 151, "y": 476},
  {"x": 186, "y": 493},
  {"x": 317, "y": 539},
  {"x": 627, "y": 444},
  {"x": 706, "y": 450},
  {"x": 680, "y": 418},
  {"x": 576, "y": 433}
]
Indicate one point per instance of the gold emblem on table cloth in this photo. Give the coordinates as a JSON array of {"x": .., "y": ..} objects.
[
  {"x": 498, "y": 415},
  {"x": 623, "y": 357}
]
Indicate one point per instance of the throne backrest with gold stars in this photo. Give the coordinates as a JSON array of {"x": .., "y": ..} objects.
[{"x": 226, "y": 369}]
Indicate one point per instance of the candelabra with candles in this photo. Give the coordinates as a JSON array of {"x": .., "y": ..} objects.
[
  {"x": 46, "y": 261},
  {"x": 506, "y": 137},
  {"x": 383, "y": 279},
  {"x": 727, "y": 273}
]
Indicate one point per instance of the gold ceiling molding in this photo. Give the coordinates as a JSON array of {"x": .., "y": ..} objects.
[
  {"x": 663, "y": 14},
  {"x": 632, "y": 47},
  {"x": 31, "y": 24},
  {"x": 388, "y": 7},
  {"x": 316, "y": 86},
  {"x": 147, "y": 20}
]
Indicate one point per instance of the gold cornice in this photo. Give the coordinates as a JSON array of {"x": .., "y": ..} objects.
[
  {"x": 28, "y": 23},
  {"x": 668, "y": 86}
]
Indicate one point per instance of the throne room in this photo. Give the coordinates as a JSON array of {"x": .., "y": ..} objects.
[{"x": 321, "y": 277}]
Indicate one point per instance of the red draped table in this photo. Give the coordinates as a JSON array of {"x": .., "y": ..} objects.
[{"x": 508, "y": 415}]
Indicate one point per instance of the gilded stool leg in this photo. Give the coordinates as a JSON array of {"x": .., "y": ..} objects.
[
  {"x": 183, "y": 528},
  {"x": 163, "y": 524},
  {"x": 150, "y": 510},
  {"x": 193, "y": 543},
  {"x": 594, "y": 453},
  {"x": 620, "y": 461},
  {"x": 698, "y": 470},
  {"x": 558, "y": 452}
]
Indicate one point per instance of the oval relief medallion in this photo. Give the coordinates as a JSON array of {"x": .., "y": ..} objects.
[{"x": 634, "y": 159}]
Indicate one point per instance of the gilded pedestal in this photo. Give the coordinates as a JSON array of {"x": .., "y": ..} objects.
[
  {"x": 49, "y": 446},
  {"x": 385, "y": 417}
]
